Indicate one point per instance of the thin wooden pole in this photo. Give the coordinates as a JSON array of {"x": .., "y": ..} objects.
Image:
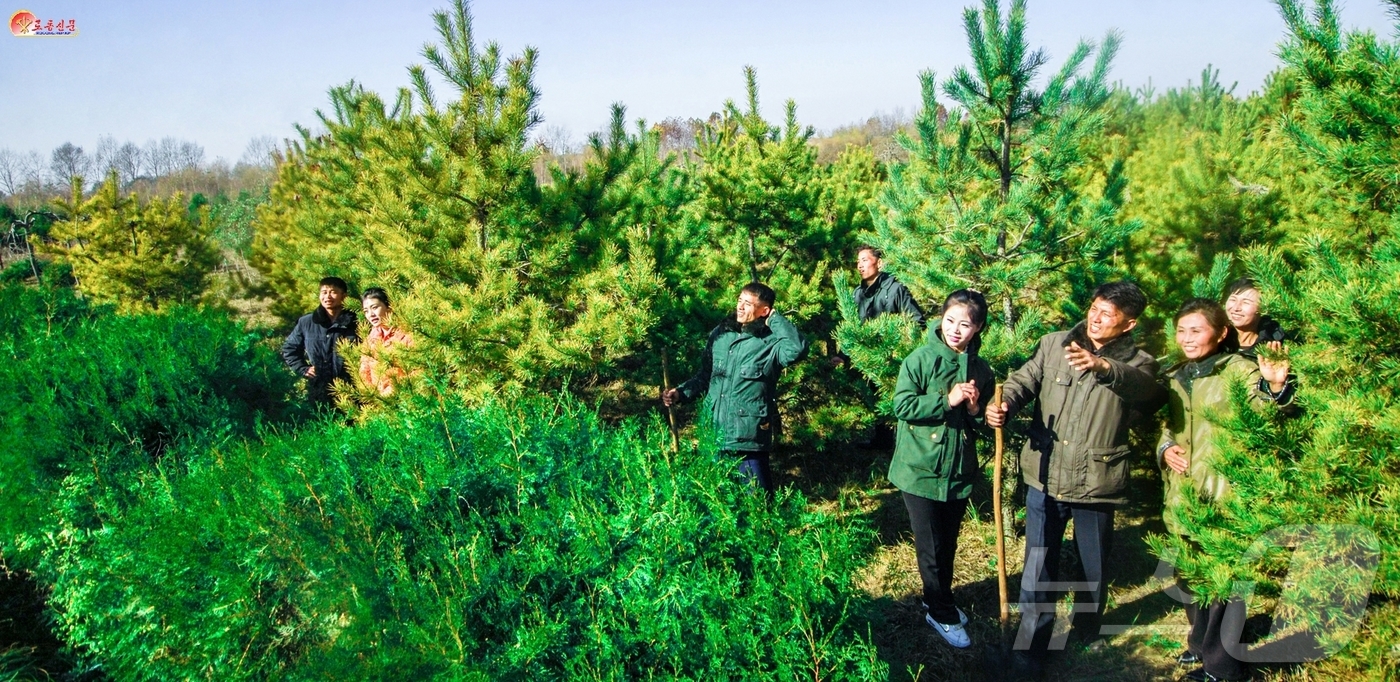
[
  {"x": 670, "y": 411},
  {"x": 996, "y": 514}
]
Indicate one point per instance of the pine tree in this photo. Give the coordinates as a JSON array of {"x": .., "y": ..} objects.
[
  {"x": 1331, "y": 469},
  {"x": 138, "y": 256},
  {"x": 503, "y": 282},
  {"x": 1000, "y": 193}
]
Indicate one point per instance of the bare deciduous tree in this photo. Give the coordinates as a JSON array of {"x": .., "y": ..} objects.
[
  {"x": 261, "y": 152},
  {"x": 68, "y": 161}
]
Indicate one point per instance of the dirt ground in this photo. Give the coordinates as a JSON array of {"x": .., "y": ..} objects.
[{"x": 1149, "y": 626}]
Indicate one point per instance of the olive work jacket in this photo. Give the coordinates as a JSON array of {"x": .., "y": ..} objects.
[
  {"x": 1200, "y": 400},
  {"x": 739, "y": 374},
  {"x": 935, "y": 451},
  {"x": 1077, "y": 448}
]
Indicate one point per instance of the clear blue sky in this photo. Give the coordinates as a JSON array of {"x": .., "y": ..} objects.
[{"x": 222, "y": 73}]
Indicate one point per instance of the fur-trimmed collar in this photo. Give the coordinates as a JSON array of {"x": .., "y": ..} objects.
[
  {"x": 758, "y": 327},
  {"x": 1121, "y": 349},
  {"x": 322, "y": 317}
]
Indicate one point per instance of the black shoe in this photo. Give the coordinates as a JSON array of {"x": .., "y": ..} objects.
[
  {"x": 1188, "y": 658},
  {"x": 1025, "y": 667},
  {"x": 1200, "y": 675}
]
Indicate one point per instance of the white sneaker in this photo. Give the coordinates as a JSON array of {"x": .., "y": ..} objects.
[
  {"x": 962, "y": 617},
  {"x": 954, "y": 635}
]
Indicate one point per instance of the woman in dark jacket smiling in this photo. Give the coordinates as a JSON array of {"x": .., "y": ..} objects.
[{"x": 942, "y": 392}]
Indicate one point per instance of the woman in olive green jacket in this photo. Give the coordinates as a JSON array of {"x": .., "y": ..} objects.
[
  {"x": 1200, "y": 399},
  {"x": 942, "y": 392}
]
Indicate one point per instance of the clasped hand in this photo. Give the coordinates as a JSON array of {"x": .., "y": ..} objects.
[{"x": 965, "y": 392}]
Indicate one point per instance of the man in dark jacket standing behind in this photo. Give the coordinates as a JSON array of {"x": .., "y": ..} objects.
[
  {"x": 1088, "y": 385},
  {"x": 879, "y": 292},
  {"x": 739, "y": 371},
  {"x": 310, "y": 349}
]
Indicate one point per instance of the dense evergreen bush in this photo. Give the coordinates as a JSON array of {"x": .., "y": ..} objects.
[
  {"x": 501, "y": 542},
  {"x": 77, "y": 379}
]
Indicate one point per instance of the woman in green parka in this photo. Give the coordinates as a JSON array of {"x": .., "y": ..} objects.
[
  {"x": 941, "y": 395},
  {"x": 1200, "y": 399}
]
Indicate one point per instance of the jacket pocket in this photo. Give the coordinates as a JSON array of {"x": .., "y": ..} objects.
[
  {"x": 925, "y": 448},
  {"x": 1108, "y": 471},
  {"x": 751, "y": 424}
]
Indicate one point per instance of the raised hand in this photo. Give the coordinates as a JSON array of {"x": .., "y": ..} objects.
[
  {"x": 1081, "y": 359},
  {"x": 1273, "y": 366}
]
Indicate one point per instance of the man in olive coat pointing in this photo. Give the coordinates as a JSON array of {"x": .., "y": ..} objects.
[{"x": 739, "y": 372}]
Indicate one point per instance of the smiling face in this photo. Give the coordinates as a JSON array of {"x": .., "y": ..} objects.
[
  {"x": 868, "y": 265},
  {"x": 376, "y": 313},
  {"x": 958, "y": 327},
  {"x": 1196, "y": 337},
  {"x": 1105, "y": 322},
  {"x": 332, "y": 299},
  {"x": 749, "y": 308},
  {"x": 1243, "y": 309}
]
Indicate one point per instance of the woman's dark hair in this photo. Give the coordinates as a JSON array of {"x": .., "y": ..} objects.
[
  {"x": 976, "y": 305},
  {"x": 1241, "y": 284},
  {"x": 377, "y": 293},
  {"x": 1215, "y": 317}
]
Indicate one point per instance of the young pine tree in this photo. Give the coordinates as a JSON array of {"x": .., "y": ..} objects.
[
  {"x": 1322, "y": 484},
  {"x": 1001, "y": 194},
  {"x": 138, "y": 256},
  {"x": 502, "y": 282}
]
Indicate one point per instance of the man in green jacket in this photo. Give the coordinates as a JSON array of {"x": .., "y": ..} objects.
[
  {"x": 1088, "y": 386},
  {"x": 739, "y": 372}
]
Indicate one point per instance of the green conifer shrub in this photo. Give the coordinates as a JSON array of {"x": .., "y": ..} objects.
[
  {"x": 78, "y": 379},
  {"x": 500, "y": 542}
]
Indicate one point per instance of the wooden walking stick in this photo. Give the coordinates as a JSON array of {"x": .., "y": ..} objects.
[
  {"x": 996, "y": 515},
  {"x": 670, "y": 411}
]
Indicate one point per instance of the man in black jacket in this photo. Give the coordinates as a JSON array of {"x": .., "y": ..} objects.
[
  {"x": 880, "y": 293},
  {"x": 310, "y": 349}
]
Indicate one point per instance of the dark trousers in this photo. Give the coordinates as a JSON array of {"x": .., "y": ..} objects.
[
  {"x": 1046, "y": 519},
  {"x": 754, "y": 466},
  {"x": 1206, "y": 641},
  {"x": 936, "y": 525}
]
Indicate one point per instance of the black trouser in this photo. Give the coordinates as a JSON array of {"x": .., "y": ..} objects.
[
  {"x": 1206, "y": 640},
  {"x": 936, "y": 525},
  {"x": 1046, "y": 519},
  {"x": 754, "y": 466}
]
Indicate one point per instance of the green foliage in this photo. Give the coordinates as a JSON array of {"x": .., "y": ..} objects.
[
  {"x": 78, "y": 379},
  {"x": 136, "y": 256},
  {"x": 998, "y": 194},
  {"x": 1335, "y": 463},
  {"x": 232, "y": 220},
  {"x": 438, "y": 204},
  {"x": 516, "y": 542}
]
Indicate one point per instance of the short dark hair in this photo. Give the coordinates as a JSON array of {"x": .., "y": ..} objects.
[
  {"x": 1124, "y": 295},
  {"x": 876, "y": 251},
  {"x": 1215, "y": 316},
  {"x": 333, "y": 281},
  {"x": 762, "y": 291},
  {"x": 1241, "y": 284},
  {"x": 376, "y": 293},
  {"x": 975, "y": 302}
]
